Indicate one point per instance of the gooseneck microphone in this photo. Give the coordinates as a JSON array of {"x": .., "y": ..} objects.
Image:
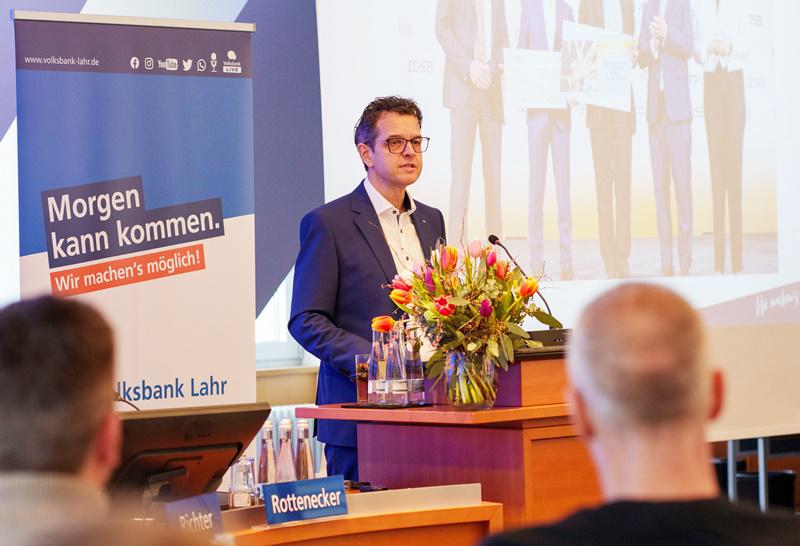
[
  {"x": 118, "y": 398},
  {"x": 495, "y": 240}
]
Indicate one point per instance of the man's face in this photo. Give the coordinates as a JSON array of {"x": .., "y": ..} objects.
[{"x": 389, "y": 169}]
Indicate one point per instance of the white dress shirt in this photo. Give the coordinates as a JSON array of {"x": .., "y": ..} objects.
[
  {"x": 729, "y": 23},
  {"x": 485, "y": 7},
  {"x": 612, "y": 15},
  {"x": 398, "y": 230},
  {"x": 549, "y": 9}
]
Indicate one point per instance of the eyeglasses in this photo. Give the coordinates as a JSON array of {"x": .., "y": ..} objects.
[{"x": 397, "y": 145}]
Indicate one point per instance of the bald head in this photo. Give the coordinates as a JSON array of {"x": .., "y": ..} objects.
[{"x": 637, "y": 357}]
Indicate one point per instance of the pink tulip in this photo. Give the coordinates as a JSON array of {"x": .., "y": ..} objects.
[
  {"x": 491, "y": 258},
  {"x": 486, "y": 308},
  {"x": 399, "y": 283},
  {"x": 446, "y": 310},
  {"x": 448, "y": 258},
  {"x": 429, "y": 280},
  {"x": 476, "y": 248}
]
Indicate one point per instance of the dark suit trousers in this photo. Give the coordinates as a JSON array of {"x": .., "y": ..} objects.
[
  {"x": 463, "y": 124},
  {"x": 342, "y": 460},
  {"x": 671, "y": 156},
  {"x": 611, "y": 154},
  {"x": 725, "y": 115}
]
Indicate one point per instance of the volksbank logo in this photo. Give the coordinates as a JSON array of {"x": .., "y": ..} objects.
[{"x": 231, "y": 65}]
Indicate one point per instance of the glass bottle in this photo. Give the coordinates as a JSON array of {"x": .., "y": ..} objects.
[
  {"x": 304, "y": 460},
  {"x": 376, "y": 383},
  {"x": 285, "y": 469},
  {"x": 415, "y": 374},
  {"x": 266, "y": 457},
  {"x": 241, "y": 493},
  {"x": 396, "y": 384}
]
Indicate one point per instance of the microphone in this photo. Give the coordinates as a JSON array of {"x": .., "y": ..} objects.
[
  {"x": 495, "y": 240},
  {"x": 119, "y": 398}
]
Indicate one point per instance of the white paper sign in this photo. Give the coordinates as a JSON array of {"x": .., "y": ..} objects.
[
  {"x": 531, "y": 79},
  {"x": 596, "y": 66}
]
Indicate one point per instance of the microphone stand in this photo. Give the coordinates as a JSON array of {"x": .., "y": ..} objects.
[{"x": 495, "y": 240}]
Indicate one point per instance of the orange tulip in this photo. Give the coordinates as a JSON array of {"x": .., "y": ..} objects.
[
  {"x": 500, "y": 269},
  {"x": 400, "y": 297},
  {"x": 383, "y": 323},
  {"x": 528, "y": 287}
]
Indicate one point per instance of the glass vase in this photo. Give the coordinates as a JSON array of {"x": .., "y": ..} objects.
[{"x": 470, "y": 382}]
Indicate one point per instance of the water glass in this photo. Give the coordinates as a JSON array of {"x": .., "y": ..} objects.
[{"x": 362, "y": 377}]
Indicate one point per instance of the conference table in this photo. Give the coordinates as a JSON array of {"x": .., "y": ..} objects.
[{"x": 524, "y": 452}]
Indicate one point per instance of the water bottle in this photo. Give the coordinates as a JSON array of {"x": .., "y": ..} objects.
[
  {"x": 414, "y": 369},
  {"x": 376, "y": 381},
  {"x": 285, "y": 470},
  {"x": 396, "y": 384},
  {"x": 266, "y": 457},
  {"x": 304, "y": 460}
]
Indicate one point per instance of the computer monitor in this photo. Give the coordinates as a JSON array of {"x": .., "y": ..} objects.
[{"x": 178, "y": 453}]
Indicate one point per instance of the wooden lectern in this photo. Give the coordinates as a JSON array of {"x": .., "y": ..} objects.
[{"x": 524, "y": 451}]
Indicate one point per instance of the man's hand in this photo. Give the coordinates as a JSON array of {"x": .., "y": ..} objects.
[
  {"x": 480, "y": 75},
  {"x": 658, "y": 28},
  {"x": 720, "y": 47}
]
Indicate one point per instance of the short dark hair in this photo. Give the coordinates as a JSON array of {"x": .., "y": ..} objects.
[
  {"x": 365, "y": 128},
  {"x": 56, "y": 374}
]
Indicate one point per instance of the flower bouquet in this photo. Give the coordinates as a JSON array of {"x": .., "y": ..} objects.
[{"x": 470, "y": 306}]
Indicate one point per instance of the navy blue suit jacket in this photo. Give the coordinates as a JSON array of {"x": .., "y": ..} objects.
[{"x": 340, "y": 279}]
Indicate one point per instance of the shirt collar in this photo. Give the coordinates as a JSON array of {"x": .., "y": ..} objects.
[{"x": 381, "y": 204}]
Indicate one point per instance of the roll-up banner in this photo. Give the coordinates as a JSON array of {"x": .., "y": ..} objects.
[{"x": 135, "y": 141}]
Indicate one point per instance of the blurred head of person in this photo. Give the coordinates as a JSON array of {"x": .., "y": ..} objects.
[
  {"x": 56, "y": 390},
  {"x": 643, "y": 392}
]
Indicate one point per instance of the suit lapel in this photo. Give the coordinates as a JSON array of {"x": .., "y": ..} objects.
[{"x": 370, "y": 227}]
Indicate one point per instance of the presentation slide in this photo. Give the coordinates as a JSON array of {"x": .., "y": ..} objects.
[{"x": 599, "y": 154}]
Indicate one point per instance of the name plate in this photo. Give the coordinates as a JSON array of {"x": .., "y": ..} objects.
[
  {"x": 304, "y": 499},
  {"x": 199, "y": 514}
]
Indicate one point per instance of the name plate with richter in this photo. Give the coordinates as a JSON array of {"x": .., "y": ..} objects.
[
  {"x": 199, "y": 514},
  {"x": 304, "y": 499}
]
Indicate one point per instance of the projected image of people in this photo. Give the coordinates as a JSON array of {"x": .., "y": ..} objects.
[
  {"x": 541, "y": 28},
  {"x": 720, "y": 47},
  {"x": 611, "y": 134},
  {"x": 472, "y": 35}
]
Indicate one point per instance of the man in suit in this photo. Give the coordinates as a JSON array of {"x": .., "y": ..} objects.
[
  {"x": 665, "y": 46},
  {"x": 611, "y": 134},
  {"x": 350, "y": 249},
  {"x": 59, "y": 437},
  {"x": 540, "y": 29},
  {"x": 643, "y": 392},
  {"x": 473, "y": 35}
]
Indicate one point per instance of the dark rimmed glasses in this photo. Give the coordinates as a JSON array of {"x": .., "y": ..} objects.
[{"x": 397, "y": 145}]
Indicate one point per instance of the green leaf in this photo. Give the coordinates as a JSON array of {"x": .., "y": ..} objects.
[
  {"x": 491, "y": 346},
  {"x": 509, "y": 346},
  {"x": 457, "y": 301},
  {"x": 471, "y": 346},
  {"x": 547, "y": 319},
  {"x": 517, "y": 330},
  {"x": 435, "y": 366}
]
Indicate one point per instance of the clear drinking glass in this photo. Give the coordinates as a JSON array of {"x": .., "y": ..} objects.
[
  {"x": 415, "y": 375},
  {"x": 396, "y": 384},
  {"x": 362, "y": 378}
]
